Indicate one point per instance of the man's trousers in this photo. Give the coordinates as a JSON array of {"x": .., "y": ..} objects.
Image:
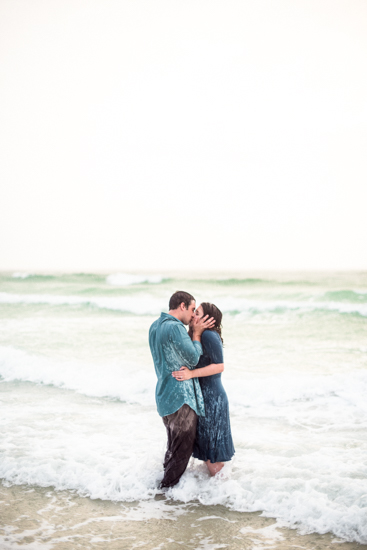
[{"x": 181, "y": 432}]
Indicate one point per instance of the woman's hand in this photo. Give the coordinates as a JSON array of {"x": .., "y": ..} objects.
[
  {"x": 183, "y": 374},
  {"x": 200, "y": 324}
]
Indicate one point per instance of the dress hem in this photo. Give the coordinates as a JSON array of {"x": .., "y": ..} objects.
[{"x": 213, "y": 461}]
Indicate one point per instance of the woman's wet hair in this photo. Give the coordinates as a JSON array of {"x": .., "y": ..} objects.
[{"x": 212, "y": 311}]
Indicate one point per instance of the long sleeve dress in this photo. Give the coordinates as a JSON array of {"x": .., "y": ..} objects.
[{"x": 213, "y": 434}]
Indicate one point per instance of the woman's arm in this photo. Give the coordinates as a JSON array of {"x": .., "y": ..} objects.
[{"x": 185, "y": 374}]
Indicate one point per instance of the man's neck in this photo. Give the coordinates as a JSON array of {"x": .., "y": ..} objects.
[{"x": 175, "y": 313}]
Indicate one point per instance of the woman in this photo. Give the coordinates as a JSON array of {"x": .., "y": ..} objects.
[{"x": 213, "y": 442}]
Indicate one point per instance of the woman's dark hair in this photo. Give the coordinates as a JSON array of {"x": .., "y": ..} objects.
[
  {"x": 178, "y": 297},
  {"x": 212, "y": 311}
]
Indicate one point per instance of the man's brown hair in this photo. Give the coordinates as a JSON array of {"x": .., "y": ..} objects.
[{"x": 178, "y": 297}]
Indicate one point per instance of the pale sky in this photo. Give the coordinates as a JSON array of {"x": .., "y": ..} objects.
[{"x": 156, "y": 135}]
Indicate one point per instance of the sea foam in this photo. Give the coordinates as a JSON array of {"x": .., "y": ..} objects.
[
  {"x": 142, "y": 305},
  {"x": 126, "y": 279},
  {"x": 120, "y": 381},
  {"x": 111, "y": 450},
  {"x": 324, "y": 402},
  {"x": 152, "y": 305},
  {"x": 21, "y": 275}
]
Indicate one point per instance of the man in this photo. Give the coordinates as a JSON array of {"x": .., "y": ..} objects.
[{"x": 178, "y": 403}]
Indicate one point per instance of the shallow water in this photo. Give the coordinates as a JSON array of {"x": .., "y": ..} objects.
[
  {"x": 45, "y": 519},
  {"x": 77, "y": 394}
]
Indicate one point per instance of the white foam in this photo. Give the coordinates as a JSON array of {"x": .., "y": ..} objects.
[
  {"x": 316, "y": 402},
  {"x": 246, "y": 306},
  {"x": 300, "y": 443},
  {"x": 308, "y": 491},
  {"x": 266, "y": 537},
  {"x": 208, "y": 544},
  {"x": 126, "y": 279},
  {"x": 113, "y": 380},
  {"x": 150, "y": 305},
  {"x": 320, "y": 402},
  {"x": 21, "y": 275},
  {"x": 142, "y": 305}
]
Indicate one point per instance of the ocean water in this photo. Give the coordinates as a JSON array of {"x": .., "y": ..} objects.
[{"x": 77, "y": 393}]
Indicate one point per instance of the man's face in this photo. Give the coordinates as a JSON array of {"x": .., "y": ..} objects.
[{"x": 189, "y": 313}]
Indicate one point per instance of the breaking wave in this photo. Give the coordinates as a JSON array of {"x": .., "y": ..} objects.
[
  {"x": 126, "y": 279},
  {"x": 99, "y": 448},
  {"x": 150, "y": 305}
]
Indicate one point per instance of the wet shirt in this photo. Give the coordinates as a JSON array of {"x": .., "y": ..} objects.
[{"x": 171, "y": 349}]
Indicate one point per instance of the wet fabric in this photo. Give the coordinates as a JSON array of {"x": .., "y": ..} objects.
[
  {"x": 181, "y": 430},
  {"x": 171, "y": 349},
  {"x": 213, "y": 435}
]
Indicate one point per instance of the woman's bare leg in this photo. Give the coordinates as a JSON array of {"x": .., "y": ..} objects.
[{"x": 214, "y": 468}]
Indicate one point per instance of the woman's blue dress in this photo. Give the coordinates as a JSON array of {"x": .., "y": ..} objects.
[{"x": 213, "y": 433}]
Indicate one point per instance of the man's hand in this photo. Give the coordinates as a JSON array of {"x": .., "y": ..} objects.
[
  {"x": 183, "y": 374},
  {"x": 201, "y": 324}
]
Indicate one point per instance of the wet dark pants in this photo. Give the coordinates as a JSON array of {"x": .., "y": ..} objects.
[{"x": 181, "y": 432}]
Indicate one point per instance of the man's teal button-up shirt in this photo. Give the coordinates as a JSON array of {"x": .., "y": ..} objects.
[{"x": 172, "y": 348}]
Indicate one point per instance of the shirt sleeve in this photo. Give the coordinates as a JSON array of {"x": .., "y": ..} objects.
[
  {"x": 188, "y": 350},
  {"x": 213, "y": 346}
]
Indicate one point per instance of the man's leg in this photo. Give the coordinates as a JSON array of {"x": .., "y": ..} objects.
[
  {"x": 168, "y": 454},
  {"x": 181, "y": 431}
]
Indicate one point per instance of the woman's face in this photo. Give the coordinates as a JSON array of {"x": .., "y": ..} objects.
[{"x": 199, "y": 312}]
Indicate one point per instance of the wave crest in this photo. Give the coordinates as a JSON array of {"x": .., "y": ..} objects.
[
  {"x": 149, "y": 305},
  {"x": 126, "y": 279}
]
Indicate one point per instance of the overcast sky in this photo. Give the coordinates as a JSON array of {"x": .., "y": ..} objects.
[{"x": 155, "y": 135}]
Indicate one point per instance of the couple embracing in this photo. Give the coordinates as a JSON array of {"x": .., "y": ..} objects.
[{"x": 195, "y": 414}]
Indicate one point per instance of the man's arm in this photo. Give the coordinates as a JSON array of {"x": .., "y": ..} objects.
[{"x": 188, "y": 350}]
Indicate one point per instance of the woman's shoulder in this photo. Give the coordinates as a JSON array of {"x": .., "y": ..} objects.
[
  {"x": 212, "y": 346},
  {"x": 211, "y": 337}
]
